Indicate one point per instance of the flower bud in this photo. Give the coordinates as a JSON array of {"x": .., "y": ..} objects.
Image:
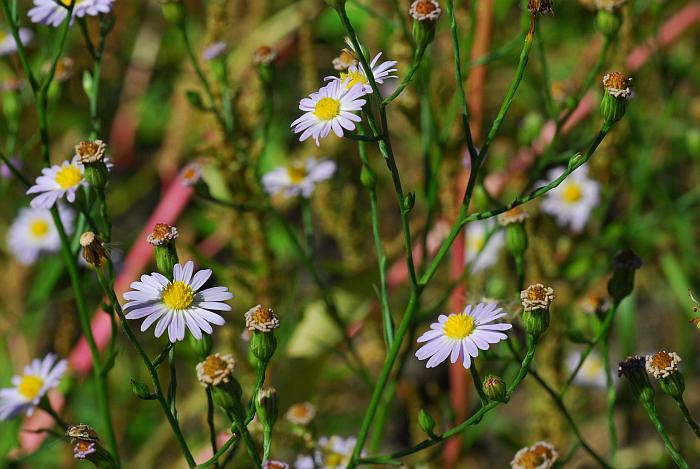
[
  {"x": 91, "y": 155},
  {"x": 633, "y": 368},
  {"x": 495, "y": 388},
  {"x": 622, "y": 282},
  {"x": 267, "y": 406},
  {"x": 173, "y": 11},
  {"x": 536, "y": 300},
  {"x": 201, "y": 347},
  {"x": 608, "y": 23},
  {"x": 141, "y": 391},
  {"x": 94, "y": 251},
  {"x": 617, "y": 93},
  {"x": 262, "y": 322},
  {"x": 409, "y": 200},
  {"x": 516, "y": 235},
  {"x": 425, "y": 14},
  {"x": 163, "y": 238},
  {"x": 264, "y": 57},
  {"x": 427, "y": 423}
]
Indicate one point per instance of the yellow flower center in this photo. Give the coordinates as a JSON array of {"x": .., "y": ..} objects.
[
  {"x": 334, "y": 459},
  {"x": 68, "y": 177},
  {"x": 572, "y": 193},
  {"x": 178, "y": 295},
  {"x": 327, "y": 108},
  {"x": 30, "y": 386},
  {"x": 3, "y": 35},
  {"x": 296, "y": 173},
  {"x": 592, "y": 366},
  {"x": 459, "y": 326},
  {"x": 66, "y": 3},
  {"x": 355, "y": 78},
  {"x": 39, "y": 228},
  {"x": 476, "y": 243}
]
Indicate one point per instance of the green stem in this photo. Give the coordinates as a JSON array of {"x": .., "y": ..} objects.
[
  {"x": 308, "y": 224},
  {"x": 611, "y": 396},
  {"x": 172, "y": 386},
  {"x": 476, "y": 379},
  {"x": 247, "y": 439},
  {"x": 653, "y": 416},
  {"x": 686, "y": 415},
  {"x": 415, "y": 65},
  {"x": 210, "y": 424},
  {"x": 225, "y": 447}
]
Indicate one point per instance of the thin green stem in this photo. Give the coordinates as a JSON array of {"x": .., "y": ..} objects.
[
  {"x": 686, "y": 415},
  {"x": 415, "y": 65},
  {"x": 308, "y": 224},
  {"x": 611, "y": 395},
  {"x": 211, "y": 424},
  {"x": 650, "y": 408},
  {"x": 476, "y": 379}
]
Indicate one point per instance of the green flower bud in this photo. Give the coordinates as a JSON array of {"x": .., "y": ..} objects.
[
  {"x": 617, "y": 93},
  {"x": 425, "y": 14},
  {"x": 427, "y": 423},
  {"x": 201, "y": 347},
  {"x": 367, "y": 177},
  {"x": 173, "y": 11},
  {"x": 262, "y": 322},
  {"x": 163, "y": 238},
  {"x": 608, "y": 23},
  {"x": 409, "y": 200},
  {"x": 495, "y": 388},
  {"x": 267, "y": 406},
  {"x": 141, "y": 391},
  {"x": 536, "y": 300},
  {"x": 621, "y": 283}
]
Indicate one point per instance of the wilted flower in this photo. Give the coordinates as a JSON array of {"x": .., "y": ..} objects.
[
  {"x": 57, "y": 181},
  {"x": 261, "y": 319},
  {"x": 82, "y": 449},
  {"x": 37, "y": 379},
  {"x": 573, "y": 200},
  {"x": 481, "y": 250},
  {"x": 90, "y": 151},
  {"x": 541, "y": 455},
  {"x": 215, "y": 369},
  {"x": 33, "y": 232},
  {"x": 462, "y": 335},
  {"x": 330, "y": 108},
  {"x": 8, "y": 45},
  {"x": 543, "y": 7},
  {"x": 301, "y": 414},
  {"x": 356, "y": 75},
  {"x": 177, "y": 303},
  {"x": 54, "y": 12},
  {"x": 94, "y": 251},
  {"x": 514, "y": 215},
  {"x": 617, "y": 85},
  {"x": 298, "y": 178},
  {"x": 634, "y": 369}
]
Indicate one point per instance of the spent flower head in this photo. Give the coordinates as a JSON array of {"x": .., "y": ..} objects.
[
  {"x": 264, "y": 55},
  {"x": 541, "y": 455},
  {"x": 191, "y": 174},
  {"x": 261, "y": 319},
  {"x": 93, "y": 249},
  {"x": 275, "y": 465},
  {"x": 215, "y": 369},
  {"x": 543, "y": 7},
  {"x": 617, "y": 85},
  {"x": 514, "y": 215},
  {"x": 90, "y": 151},
  {"x": 662, "y": 364},
  {"x": 162, "y": 234},
  {"x": 537, "y": 296},
  {"x": 425, "y": 10}
]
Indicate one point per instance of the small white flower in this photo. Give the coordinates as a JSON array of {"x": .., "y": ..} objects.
[
  {"x": 462, "y": 335},
  {"x": 330, "y": 108},
  {"x": 573, "y": 200},
  {"x": 33, "y": 233},
  {"x": 57, "y": 181},
  {"x": 356, "y": 74},
  {"x": 298, "y": 178},
  {"x": 331, "y": 453},
  {"x": 37, "y": 379},
  {"x": 54, "y": 12},
  {"x": 177, "y": 303},
  {"x": 301, "y": 414},
  {"x": 191, "y": 174},
  {"x": 481, "y": 251},
  {"x": 8, "y": 45},
  {"x": 592, "y": 371}
]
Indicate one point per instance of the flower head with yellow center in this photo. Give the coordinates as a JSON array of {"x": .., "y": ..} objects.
[
  {"x": 332, "y": 107},
  {"x": 33, "y": 233},
  {"x": 330, "y": 453},
  {"x": 301, "y": 414},
  {"x": 462, "y": 335},
  {"x": 56, "y": 182},
  {"x": 215, "y": 369},
  {"x": 261, "y": 319},
  {"x": 28, "y": 388},
  {"x": 425, "y": 10},
  {"x": 54, "y": 12},
  {"x": 572, "y": 202},
  {"x": 537, "y": 296},
  {"x": 298, "y": 178},
  {"x": 177, "y": 304},
  {"x": 662, "y": 364},
  {"x": 357, "y": 76},
  {"x": 541, "y": 455},
  {"x": 483, "y": 245}
]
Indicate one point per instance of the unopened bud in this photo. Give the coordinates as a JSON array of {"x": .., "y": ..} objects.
[
  {"x": 267, "y": 406},
  {"x": 617, "y": 93},
  {"x": 621, "y": 284},
  {"x": 427, "y": 423},
  {"x": 495, "y": 388},
  {"x": 141, "y": 391}
]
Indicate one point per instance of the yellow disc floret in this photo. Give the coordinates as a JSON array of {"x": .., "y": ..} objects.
[
  {"x": 354, "y": 78},
  {"x": 459, "y": 326},
  {"x": 178, "y": 295},
  {"x": 296, "y": 173},
  {"x": 68, "y": 176},
  {"x": 572, "y": 193},
  {"x": 39, "y": 228},
  {"x": 327, "y": 108},
  {"x": 30, "y": 386}
]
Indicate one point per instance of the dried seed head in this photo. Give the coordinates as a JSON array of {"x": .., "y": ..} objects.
[
  {"x": 543, "y": 7},
  {"x": 90, "y": 151},
  {"x": 264, "y": 55},
  {"x": 93, "y": 251},
  {"x": 541, "y": 455},
  {"x": 537, "y": 297},
  {"x": 662, "y": 364},
  {"x": 261, "y": 319},
  {"x": 301, "y": 414},
  {"x": 215, "y": 369},
  {"x": 514, "y": 215},
  {"x": 425, "y": 10},
  {"x": 617, "y": 85},
  {"x": 162, "y": 234}
]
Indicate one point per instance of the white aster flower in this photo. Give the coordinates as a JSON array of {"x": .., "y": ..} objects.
[
  {"x": 8, "y": 45},
  {"x": 33, "y": 233},
  {"x": 177, "y": 303},
  {"x": 298, "y": 178},
  {"x": 592, "y": 371},
  {"x": 481, "y": 251},
  {"x": 462, "y": 335},
  {"x": 573, "y": 200},
  {"x": 37, "y": 379},
  {"x": 57, "y": 181},
  {"x": 330, "y": 108},
  {"x": 54, "y": 12},
  {"x": 356, "y": 75},
  {"x": 331, "y": 453}
]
